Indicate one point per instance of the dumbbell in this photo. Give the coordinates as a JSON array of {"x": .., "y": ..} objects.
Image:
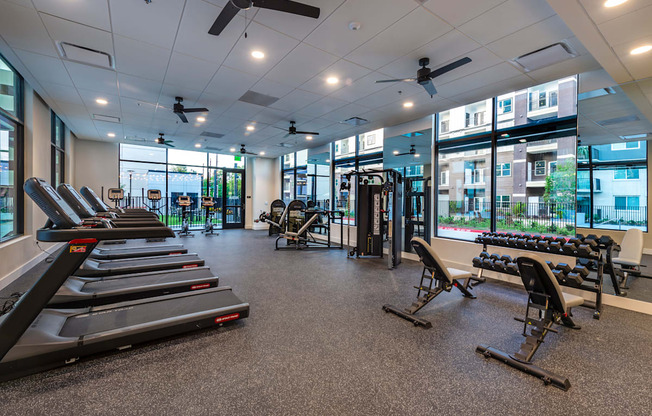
[
  {"x": 569, "y": 248},
  {"x": 589, "y": 248},
  {"x": 580, "y": 236},
  {"x": 606, "y": 241},
  {"x": 502, "y": 240},
  {"x": 554, "y": 247},
  {"x": 543, "y": 244},
  {"x": 507, "y": 259},
  {"x": 577, "y": 276},
  {"x": 511, "y": 241},
  {"x": 531, "y": 244},
  {"x": 550, "y": 264},
  {"x": 559, "y": 275},
  {"x": 511, "y": 268},
  {"x": 564, "y": 267},
  {"x": 521, "y": 242},
  {"x": 592, "y": 237},
  {"x": 499, "y": 266},
  {"x": 477, "y": 261}
]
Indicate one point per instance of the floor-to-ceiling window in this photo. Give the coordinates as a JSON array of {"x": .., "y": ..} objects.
[
  {"x": 58, "y": 151},
  {"x": 11, "y": 152}
]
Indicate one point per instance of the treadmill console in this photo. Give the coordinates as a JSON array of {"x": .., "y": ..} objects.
[
  {"x": 154, "y": 194},
  {"x": 57, "y": 210},
  {"x": 92, "y": 198},
  {"x": 207, "y": 201},
  {"x": 76, "y": 202},
  {"x": 115, "y": 194},
  {"x": 184, "y": 200}
]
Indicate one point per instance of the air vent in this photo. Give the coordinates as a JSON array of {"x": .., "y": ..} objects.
[
  {"x": 110, "y": 119},
  {"x": 85, "y": 55},
  {"x": 286, "y": 144},
  {"x": 550, "y": 55},
  {"x": 210, "y": 134},
  {"x": 355, "y": 121},
  {"x": 414, "y": 134},
  {"x": 618, "y": 120},
  {"x": 253, "y": 97},
  {"x": 215, "y": 149}
]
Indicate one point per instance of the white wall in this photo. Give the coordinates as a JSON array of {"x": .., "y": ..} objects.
[
  {"x": 96, "y": 165},
  {"x": 20, "y": 254},
  {"x": 263, "y": 186}
]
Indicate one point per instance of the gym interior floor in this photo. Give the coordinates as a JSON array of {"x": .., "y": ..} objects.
[{"x": 317, "y": 342}]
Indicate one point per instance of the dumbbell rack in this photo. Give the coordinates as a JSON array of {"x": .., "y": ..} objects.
[{"x": 597, "y": 282}]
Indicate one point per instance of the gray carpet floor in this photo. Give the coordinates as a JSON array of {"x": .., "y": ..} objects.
[{"x": 318, "y": 343}]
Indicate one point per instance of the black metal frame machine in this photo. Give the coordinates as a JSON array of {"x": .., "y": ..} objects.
[
  {"x": 302, "y": 222},
  {"x": 276, "y": 218},
  {"x": 209, "y": 210},
  {"x": 185, "y": 202},
  {"x": 36, "y": 337},
  {"x": 154, "y": 197},
  {"x": 378, "y": 214},
  {"x": 417, "y": 210}
]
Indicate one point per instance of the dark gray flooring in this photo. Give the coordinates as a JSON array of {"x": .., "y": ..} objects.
[{"x": 317, "y": 342}]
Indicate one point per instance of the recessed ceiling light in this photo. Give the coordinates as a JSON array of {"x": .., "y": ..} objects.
[
  {"x": 332, "y": 80},
  {"x": 308, "y": 137},
  {"x": 258, "y": 54},
  {"x": 522, "y": 140},
  {"x": 395, "y": 152},
  {"x": 197, "y": 145},
  {"x": 101, "y": 101},
  {"x": 408, "y": 104},
  {"x": 641, "y": 49},
  {"x": 613, "y": 3},
  {"x": 417, "y": 155},
  {"x": 201, "y": 119},
  {"x": 232, "y": 149},
  {"x": 111, "y": 134},
  {"x": 262, "y": 153},
  {"x": 251, "y": 128}
]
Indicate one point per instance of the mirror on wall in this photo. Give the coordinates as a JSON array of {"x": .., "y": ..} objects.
[
  {"x": 410, "y": 154},
  {"x": 612, "y": 180}
]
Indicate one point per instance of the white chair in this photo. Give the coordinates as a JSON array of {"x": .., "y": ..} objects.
[{"x": 629, "y": 257}]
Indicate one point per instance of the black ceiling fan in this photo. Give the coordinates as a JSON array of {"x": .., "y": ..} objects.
[
  {"x": 292, "y": 130},
  {"x": 181, "y": 111},
  {"x": 244, "y": 151},
  {"x": 161, "y": 140},
  {"x": 232, "y": 8},
  {"x": 425, "y": 75},
  {"x": 412, "y": 151}
]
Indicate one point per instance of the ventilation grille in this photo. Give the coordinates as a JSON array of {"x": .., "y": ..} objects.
[
  {"x": 618, "y": 120},
  {"x": 550, "y": 55},
  {"x": 253, "y": 97},
  {"x": 85, "y": 55},
  {"x": 210, "y": 134},
  {"x": 641, "y": 136},
  {"x": 215, "y": 149},
  {"x": 286, "y": 144},
  {"x": 355, "y": 121},
  {"x": 109, "y": 119}
]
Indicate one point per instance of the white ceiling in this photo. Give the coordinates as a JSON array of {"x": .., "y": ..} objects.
[{"x": 163, "y": 50}]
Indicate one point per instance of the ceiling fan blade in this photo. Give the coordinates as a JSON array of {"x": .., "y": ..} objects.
[
  {"x": 251, "y": 153},
  {"x": 157, "y": 106},
  {"x": 288, "y": 6},
  {"x": 308, "y": 132},
  {"x": 397, "y": 80},
  {"x": 228, "y": 13},
  {"x": 279, "y": 128},
  {"x": 430, "y": 87},
  {"x": 195, "y": 110},
  {"x": 182, "y": 117},
  {"x": 447, "y": 68},
  {"x": 168, "y": 144},
  {"x": 286, "y": 136}
]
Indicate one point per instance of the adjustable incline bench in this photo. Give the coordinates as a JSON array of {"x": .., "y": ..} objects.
[
  {"x": 553, "y": 306},
  {"x": 444, "y": 278}
]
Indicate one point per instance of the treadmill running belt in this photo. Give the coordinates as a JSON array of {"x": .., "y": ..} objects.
[{"x": 150, "y": 279}]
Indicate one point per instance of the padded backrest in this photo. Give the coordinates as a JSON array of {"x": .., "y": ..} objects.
[
  {"x": 307, "y": 224},
  {"x": 284, "y": 215},
  {"x": 94, "y": 201},
  {"x": 538, "y": 279},
  {"x": 47, "y": 198},
  {"x": 430, "y": 259},
  {"x": 76, "y": 201},
  {"x": 632, "y": 246}
]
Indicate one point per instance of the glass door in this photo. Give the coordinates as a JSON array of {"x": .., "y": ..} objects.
[{"x": 233, "y": 198}]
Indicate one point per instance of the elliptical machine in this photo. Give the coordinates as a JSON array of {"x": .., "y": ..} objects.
[
  {"x": 184, "y": 202},
  {"x": 208, "y": 204}
]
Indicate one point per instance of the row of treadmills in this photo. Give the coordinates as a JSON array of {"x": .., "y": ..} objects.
[{"x": 109, "y": 287}]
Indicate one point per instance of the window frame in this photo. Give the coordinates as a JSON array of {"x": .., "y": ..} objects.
[
  {"x": 57, "y": 150},
  {"x": 536, "y": 162},
  {"x": 500, "y": 167}
]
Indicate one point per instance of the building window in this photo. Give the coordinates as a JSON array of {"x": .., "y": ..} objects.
[
  {"x": 540, "y": 168},
  {"x": 444, "y": 126},
  {"x": 444, "y": 178},
  {"x": 625, "y": 174},
  {"x": 502, "y": 201},
  {"x": 11, "y": 152},
  {"x": 630, "y": 203},
  {"x": 504, "y": 106},
  {"x": 58, "y": 153},
  {"x": 504, "y": 169},
  {"x": 371, "y": 142},
  {"x": 626, "y": 146}
]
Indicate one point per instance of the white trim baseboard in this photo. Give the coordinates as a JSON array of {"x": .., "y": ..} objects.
[{"x": 19, "y": 271}]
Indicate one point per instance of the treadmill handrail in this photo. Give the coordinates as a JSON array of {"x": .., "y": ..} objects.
[{"x": 101, "y": 234}]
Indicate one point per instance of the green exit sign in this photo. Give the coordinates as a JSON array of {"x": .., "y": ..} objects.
[{"x": 238, "y": 158}]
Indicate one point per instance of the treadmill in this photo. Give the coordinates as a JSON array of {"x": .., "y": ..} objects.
[
  {"x": 83, "y": 209},
  {"x": 100, "y": 206},
  {"x": 35, "y": 338}
]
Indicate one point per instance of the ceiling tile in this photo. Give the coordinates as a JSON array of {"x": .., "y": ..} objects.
[
  {"x": 629, "y": 27},
  {"x": 216, "y": 104},
  {"x": 323, "y": 106},
  {"x": 506, "y": 18},
  {"x": 572, "y": 66},
  {"x": 62, "y": 94},
  {"x": 391, "y": 94},
  {"x": 297, "y": 26},
  {"x": 243, "y": 110},
  {"x": 93, "y": 13},
  {"x": 600, "y": 14},
  {"x": 273, "y": 44},
  {"x": 296, "y": 100},
  {"x": 272, "y": 88},
  {"x": 103, "y": 128},
  {"x": 22, "y": 28},
  {"x": 346, "y": 72},
  {"x": 136, "y": 108},
  {"x": 189, "y": 72},
  {"x": 345, "y": 112},
  {"x": 139, "y": 88},
  {"x": 140, "y": 59},
  {"x": 93, "y": 78},
  {"x": 639, "y": 66},
  {"x": 111, "y": 109},
  {"x": 62, "y": 30},
  {"x": 300, "y": 65},
  {"x": 411, "y": 32},
  {"x": 230, "y": 83},
  {"x": 193, "y": 38},
  {"x": 460, "y": 11},
  {"x": 480, "y": 59},
  {"x": 334, "y": 36},
  {"x": 155, "y": 23},
  {"x": 44, "y": 68},
  {"x": 271, "y": 116},
  {"x": 361, "y": 88}
]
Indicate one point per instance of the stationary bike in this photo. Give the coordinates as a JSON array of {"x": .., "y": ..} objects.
[
  {"x": 208, "y": 203},
  {"x": 184, "y": 202}
]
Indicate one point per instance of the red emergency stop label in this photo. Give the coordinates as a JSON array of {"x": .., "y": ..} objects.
[{"x": 225, "y": 318}]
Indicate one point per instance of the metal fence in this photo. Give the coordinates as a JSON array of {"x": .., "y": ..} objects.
[{"x": 170, "y": 212}]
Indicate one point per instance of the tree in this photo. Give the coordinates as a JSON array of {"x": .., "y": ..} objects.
[
  {"x": 179, "y": 169},
  {"x": 560, "y": 185}
]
